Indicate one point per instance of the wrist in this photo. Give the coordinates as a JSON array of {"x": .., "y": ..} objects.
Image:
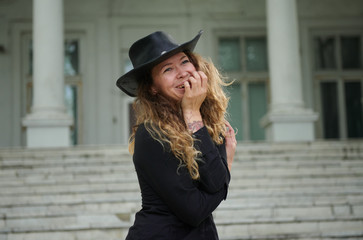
[{"x": 193, "y": 120}]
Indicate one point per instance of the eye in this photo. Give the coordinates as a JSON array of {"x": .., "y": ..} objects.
[
  {"x": 185, "y": 61},
  {"x": 167, "y": 69}
]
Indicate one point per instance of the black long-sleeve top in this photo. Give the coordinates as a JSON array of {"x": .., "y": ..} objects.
[{"x": 174, "y": 206}]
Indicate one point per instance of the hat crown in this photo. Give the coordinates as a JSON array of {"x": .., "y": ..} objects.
[{"x": 150, "y": 48}]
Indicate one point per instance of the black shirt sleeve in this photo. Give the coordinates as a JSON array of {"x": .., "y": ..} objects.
[
  {"x": 174, "y": 185},
  {"x": 213, "y": 167}
]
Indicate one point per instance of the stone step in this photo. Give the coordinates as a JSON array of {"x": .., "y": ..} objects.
[
  {"x": 76, "y": 198},
  {"x": 239, "y": 168},
  {"x": 11, "y": 167},
  {"x": 111, "y": 207},
  {"x": 64, "y": 223},
  {"x": 243, "y": 188},
  {"x": 335, "y": 229},
  {"x": 298, "y": 213},
  {"x": 82, "y": 186},
  {"x": 133, "y": 187},
  {"x": 83, "y": 234}
]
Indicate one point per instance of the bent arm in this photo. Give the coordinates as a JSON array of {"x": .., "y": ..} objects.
[{"x": 174, "y": 186}]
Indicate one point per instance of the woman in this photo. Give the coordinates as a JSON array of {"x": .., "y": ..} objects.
[{"x": 182, "y": 146}]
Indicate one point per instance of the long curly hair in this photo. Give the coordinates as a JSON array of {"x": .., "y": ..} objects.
[{"x": 164, "y": 120}]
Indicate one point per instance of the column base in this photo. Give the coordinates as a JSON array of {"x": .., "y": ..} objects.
[
  {"x": 47, "y": 130},
  {"x": 296, "y": 126}
]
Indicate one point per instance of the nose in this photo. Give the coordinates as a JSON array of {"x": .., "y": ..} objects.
[{"x": 182, "y": 73}]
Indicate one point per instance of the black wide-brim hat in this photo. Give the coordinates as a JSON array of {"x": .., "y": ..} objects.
[{"x": 147, "y": 53}]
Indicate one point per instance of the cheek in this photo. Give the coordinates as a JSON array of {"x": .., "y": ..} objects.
[
  {"x": 161, "y": 83},
  {"x": 191, "y": 67}
]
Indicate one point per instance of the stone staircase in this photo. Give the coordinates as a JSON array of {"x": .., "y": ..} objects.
[{"x": 278, "y": 191}]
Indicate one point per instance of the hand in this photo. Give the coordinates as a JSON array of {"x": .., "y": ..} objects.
[
  {"x": 231, "y": 144},
  {"x": 195, "y": 92}
]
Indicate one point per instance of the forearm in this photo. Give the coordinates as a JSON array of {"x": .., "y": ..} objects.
[
  {"x": 193, "y": 120},
  {"x": 213, "y": 168}
]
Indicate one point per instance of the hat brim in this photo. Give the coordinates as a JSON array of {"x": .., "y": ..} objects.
[{"x": 128, "y": 82}]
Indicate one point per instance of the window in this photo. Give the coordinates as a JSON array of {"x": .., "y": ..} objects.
[
  {"x": 339, "y": 73},
  {"x": 243, "y": 58},
  {"x": 324, "y": 49}
]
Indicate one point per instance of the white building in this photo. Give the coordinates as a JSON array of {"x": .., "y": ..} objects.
[{"x": 298, "y": 66}]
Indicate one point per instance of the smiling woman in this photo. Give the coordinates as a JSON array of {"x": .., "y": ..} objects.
[{"x": 182, "y": 145}]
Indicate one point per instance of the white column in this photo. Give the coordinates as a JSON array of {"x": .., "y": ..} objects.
[
  {"x": 287, "y": 119},
  {"x": 48, "y": 125}
]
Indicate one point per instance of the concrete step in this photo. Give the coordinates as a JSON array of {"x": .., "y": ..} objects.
[
  {"x": 335, "y": 229},
  {"x": 86, "y": 234}
]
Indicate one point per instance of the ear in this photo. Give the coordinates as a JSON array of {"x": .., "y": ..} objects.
[{"x": 153, "y": 90}]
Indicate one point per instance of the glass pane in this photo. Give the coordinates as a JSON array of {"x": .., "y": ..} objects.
[
  {"x": 70, "y": 96},
  {"x": 229, "y": 54},
  {"x": 71, "y": 58},
  {"x": 351, "y": 52},
  {"x": 235, "y": 109},
  {"x": 256, "y": 54},
  {"x": 329, "y": 102},
  {"x": 30, "y": 57},
  {"x": 353, "y": 107},
  {"x": 257, "y": 109},
  {"x": 324, "y": 49}
]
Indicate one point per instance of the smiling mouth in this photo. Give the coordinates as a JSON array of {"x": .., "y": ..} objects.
[{"x": 180, "y": 86}]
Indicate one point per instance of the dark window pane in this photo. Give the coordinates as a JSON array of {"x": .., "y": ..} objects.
[
  {"x": 351, "y": 52},
  {"x": 353, "y": 106},
  {"x": 30, "y": 57},
  {"x": 235, "y": 109},
  {"x": 256, "y": 54},
  {"x": 324, "y": 53},
  {"x": 71, "y": 58},
  {"x": 70, "y": 95},
  {"x": 229, "y": 54},
  {"x": 257, "y": 109},
  {"x": 329, "y": 100}
]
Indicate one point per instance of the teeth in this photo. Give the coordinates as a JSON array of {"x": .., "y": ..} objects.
[{"x": 180, "y": 87}]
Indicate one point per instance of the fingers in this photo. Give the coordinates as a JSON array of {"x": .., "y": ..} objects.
[
  {"x": 195, "y": 91},
  {"x": 229, "y": 128},
  {"x": 198, "y": 81},
  {"x": 230, "y": 133}
]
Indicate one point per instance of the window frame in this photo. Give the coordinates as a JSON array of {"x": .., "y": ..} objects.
[
  {"x": 244, "y": 77},
  {"x": 339, "y": 75}
]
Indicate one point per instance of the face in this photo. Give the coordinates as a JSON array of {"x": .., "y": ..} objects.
[{"x": 169, "y": 76}]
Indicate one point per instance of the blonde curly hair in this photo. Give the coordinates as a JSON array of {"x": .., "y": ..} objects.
[{"x": 164, "y": 120}]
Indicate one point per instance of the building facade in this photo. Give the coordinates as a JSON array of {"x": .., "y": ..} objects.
[{"x": 297, "y": 66}]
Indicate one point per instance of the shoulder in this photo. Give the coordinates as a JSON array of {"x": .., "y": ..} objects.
[
  {"x": 141, "y": 131},
  {"x": 149, "y": 152},
  {"x": 144, "y": 140}
]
